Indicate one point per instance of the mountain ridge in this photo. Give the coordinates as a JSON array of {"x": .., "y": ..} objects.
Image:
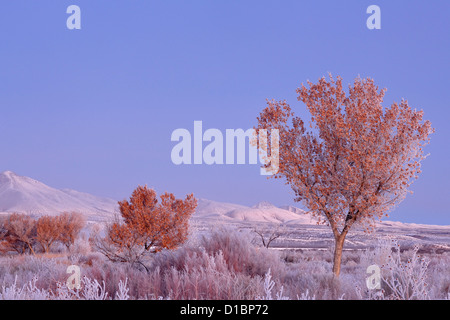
[{"x": 26, "y": 195}]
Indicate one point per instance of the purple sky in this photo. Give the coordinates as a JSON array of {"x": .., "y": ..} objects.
[{"x": 94, "y": 109}]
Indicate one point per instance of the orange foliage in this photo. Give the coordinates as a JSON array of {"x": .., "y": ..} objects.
[
  {"x": 19, "y": 232},
  {"x": 357, "y": 162},
  {"x": 70, "y": 225},
  {"x": 149, "y": 225},
  {"x": 47, "y": 231}
]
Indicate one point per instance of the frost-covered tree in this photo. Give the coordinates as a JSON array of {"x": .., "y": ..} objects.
[
  {"x": 70, "y": 225},
  {"x": 19, "y": 233},
  {"x": 357, "y": 161},
  {"x": 47, "y": 231},
  {"x": 147, "y": 224}
]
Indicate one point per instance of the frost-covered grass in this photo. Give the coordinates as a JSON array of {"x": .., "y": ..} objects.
[{"x": 225, "y": 264}]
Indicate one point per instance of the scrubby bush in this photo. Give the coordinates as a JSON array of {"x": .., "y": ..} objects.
[
  {"x": 147, "y": 224},
  {"x": 239, "y": 254},
  {"x": 406, "y": 275},
  {"x": 406, "y": 280},
  {"x": 439, "y": 276}
]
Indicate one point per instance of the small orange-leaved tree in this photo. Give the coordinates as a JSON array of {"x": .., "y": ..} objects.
[
  {"x": 47, "y": 231},
  {"x": 18, "y": 233},
  {"x": 357, "y": 161},
  {"x": 70, "y": 225},
  {"x": 146, "y": 225}
]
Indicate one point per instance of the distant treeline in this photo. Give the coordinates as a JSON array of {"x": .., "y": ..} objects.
[{"x": 26, "y": 235}]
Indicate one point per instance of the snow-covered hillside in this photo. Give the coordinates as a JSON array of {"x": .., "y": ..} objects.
[
  {"x": 25, "y": 195},
  {"x": 261, "y": 212}
]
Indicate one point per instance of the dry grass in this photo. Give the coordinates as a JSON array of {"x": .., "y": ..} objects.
[{"x": 224, "y": 264}]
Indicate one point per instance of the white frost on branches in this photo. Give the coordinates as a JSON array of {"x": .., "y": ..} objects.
[
  {"x": 90, "y": 289},
  {"x": 406, "y": 279}
]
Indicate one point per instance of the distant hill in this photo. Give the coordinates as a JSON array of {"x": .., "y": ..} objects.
[
  {"x": 261, "y": 212},
  {"x": 26, "y": 195}
]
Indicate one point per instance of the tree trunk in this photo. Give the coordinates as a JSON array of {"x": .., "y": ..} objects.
[
  {"x": 31, "y": 248},
  {"x": 339, "y": 245}
]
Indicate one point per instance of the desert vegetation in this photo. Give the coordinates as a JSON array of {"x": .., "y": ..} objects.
[
  {"x": 225, "y": 263},
  {"x": 24, "y": 234},
  {"x": 153, "y": 250}
]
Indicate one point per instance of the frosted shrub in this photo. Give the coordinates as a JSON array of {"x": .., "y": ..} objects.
[
  {"x": 306, "y": 296},
  {"x": 369, "y": 294},
  {"x": 439, "y": 275},
  {"x": 27, "y": 292},
  {"x": 309, "y": 278},
  {"x": 269, "y": 284},
  {"x": 406, "y": 279},
  {"x": 74, "y": 258},
  {"x": 63, "y": 293},
  {"x": 401, "y": 278},
  {"x": 240, "y": 254},
  {"x": 92, "y": 290},
  {"x": 209, "y": 279},
  {"x": 122, "y": 294},
  {"x": 379, "y": 254},
  {"x": 268, "y": 287},
  {"x": 24, "y": 269},
  {"x": 81, "y": 246},
  {"x": 12, "y": 292},
  {"x": 34, "y": 293},
  {"x": 224, "y": 250}
]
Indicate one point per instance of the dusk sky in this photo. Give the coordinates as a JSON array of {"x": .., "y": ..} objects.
[{"x": 94, "y": 109}]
